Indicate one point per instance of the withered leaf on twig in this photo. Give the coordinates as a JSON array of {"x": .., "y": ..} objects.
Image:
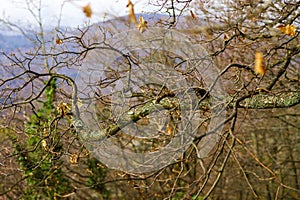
[
  {"x": 290, "y": 30},
  {"x": 259, "y": 67},
  {"x": 132, "y": 16},
  {"x": 142, "y": 25},
  {"x": 87, "y": 10}
]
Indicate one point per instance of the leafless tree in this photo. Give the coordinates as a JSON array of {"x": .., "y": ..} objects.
[{"x": 64, "y": 99}]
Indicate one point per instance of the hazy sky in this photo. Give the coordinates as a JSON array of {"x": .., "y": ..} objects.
[{"x": 16, "y": 11}]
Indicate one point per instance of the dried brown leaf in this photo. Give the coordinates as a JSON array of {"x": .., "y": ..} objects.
[
  {"x": 132, "y": 16},
  {"x": 142, "y": 25},
  {"x": 74, "y": 158},
  {"x": 290, "y": 30},
  {"x": 58, "y": 41},
  {"x": 193, "y": 15},
  {"x": 44, "y": 144},
  {"x": 259, "y": 67},
  {"x": 63, "y": 109},
  {"x": 87, "y": 10},
  {"x": 226, "y": 36},
  {"x": 169, "y": 129}
]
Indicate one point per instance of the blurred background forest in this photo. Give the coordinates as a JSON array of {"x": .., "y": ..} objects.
[{"x": 255, "y": 46}]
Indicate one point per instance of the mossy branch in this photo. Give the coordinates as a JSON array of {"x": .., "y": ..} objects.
[
  {"x": 259, "y": 101},
  {"x": 266, "y": 101}
]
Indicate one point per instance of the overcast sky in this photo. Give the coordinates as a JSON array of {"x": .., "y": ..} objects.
[{"x": 17, "y": 12}]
